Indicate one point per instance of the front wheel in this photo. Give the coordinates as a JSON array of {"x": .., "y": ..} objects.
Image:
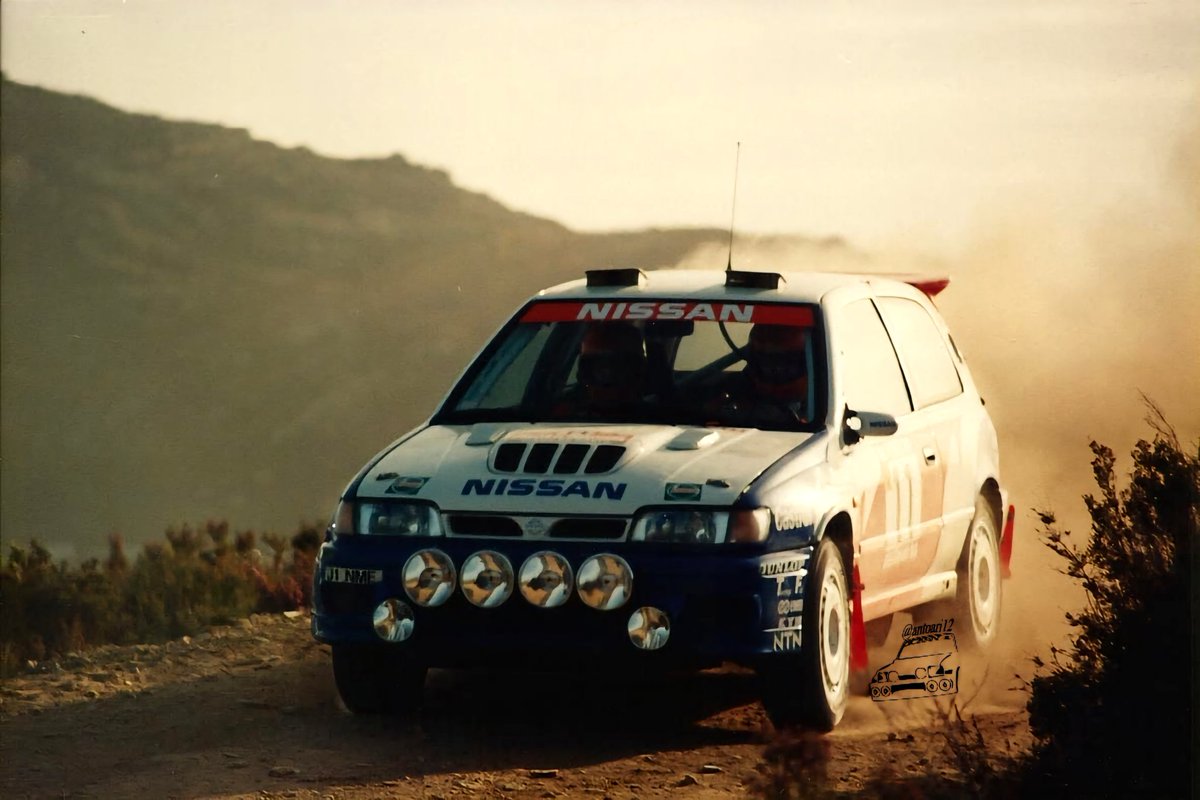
[
  {"x": 811, "y": 687},
  {"x": 377, "y": 678}
]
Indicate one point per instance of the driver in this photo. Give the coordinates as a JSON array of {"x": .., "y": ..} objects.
[
  {"x": 612, "y": 367},
  {"x": 772, "y": 391}
]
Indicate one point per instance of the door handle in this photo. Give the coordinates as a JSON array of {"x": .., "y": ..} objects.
[{"x": 930, "y": 455}]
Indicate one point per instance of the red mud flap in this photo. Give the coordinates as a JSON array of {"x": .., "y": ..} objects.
[
  {"x": 858, "y": 628},
  {"x": 1006, "y": 544}
]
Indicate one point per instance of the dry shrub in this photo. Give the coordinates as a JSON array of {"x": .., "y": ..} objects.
[
  {"x": 1112, "y": 712},
  {"x": 196, "y": 578}
]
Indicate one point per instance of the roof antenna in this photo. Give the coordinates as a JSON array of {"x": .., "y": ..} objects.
[{"x": 736, "y": 163}]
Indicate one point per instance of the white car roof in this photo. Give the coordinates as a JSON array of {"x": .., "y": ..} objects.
[{"x": 669, "y": 284}]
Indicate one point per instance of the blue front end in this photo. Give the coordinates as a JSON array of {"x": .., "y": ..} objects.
[{"x": 724, "y": 603}]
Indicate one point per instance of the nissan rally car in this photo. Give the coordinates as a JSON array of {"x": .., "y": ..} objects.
[{"x": 677, "y": 527}]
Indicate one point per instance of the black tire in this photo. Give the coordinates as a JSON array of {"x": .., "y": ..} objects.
[
  {"x": 810, "y": 688},
  {"x": 377, "y": 679}
]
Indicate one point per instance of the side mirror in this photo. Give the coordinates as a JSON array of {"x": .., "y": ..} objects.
[{"x": 857, "y": 424}]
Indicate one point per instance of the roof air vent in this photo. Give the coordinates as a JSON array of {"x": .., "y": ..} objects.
[
  {"x": 615, "y": 277},
  {"x": 739, "y": 279}
]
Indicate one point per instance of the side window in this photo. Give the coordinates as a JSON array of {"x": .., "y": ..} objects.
[
  {"x": 928, "y": 365},
  {"x": 871, "y": 376}
]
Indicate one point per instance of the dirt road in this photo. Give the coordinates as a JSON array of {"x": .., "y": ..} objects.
[{"x": 250, "y": 711}]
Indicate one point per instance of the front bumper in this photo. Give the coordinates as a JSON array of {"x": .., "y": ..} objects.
[{"x": 724, "y": 604}]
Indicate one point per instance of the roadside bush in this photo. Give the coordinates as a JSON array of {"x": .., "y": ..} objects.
[
  {"x": 1112, "y": 712},
  {"x": 196, "y": 578}
]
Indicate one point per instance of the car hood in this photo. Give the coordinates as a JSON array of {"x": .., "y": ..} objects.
[{"x": 584, "y": 469}]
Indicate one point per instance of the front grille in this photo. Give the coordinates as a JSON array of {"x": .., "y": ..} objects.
[
  {"x": 588, "y": 528},
  {"x": 482, "y": 525},
  {"x": 536, "y": 527},
  {"x": 567, "y": 459}
]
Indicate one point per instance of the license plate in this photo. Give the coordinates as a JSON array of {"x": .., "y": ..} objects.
[{"x": 348, "y": 575}]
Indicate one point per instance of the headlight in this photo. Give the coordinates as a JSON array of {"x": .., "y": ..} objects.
[
  {"x": 546, "y": 579},
  {"x": 487, "y": 578},
  {"x": 393, "y": 620},
  {"x": 389, "y": 518},
  {"x": 686, "y": 525},
  {"x": 702, "y": 526},
  {"x": 429, "y": 578}
]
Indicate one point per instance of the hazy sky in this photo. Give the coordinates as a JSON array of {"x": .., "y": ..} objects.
[{"x": 872, "y": 120}]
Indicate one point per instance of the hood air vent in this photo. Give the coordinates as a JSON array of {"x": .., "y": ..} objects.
[{"x": 568, "y": 459}]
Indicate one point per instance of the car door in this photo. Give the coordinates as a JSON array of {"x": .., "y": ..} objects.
[
  {"x": 883, "y": 473},
  {"x": 936, "y": 424}
]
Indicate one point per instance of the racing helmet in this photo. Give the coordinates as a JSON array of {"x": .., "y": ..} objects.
[
  {"x": 776, "y": 359},
  {"x": 612, "y": 359}
]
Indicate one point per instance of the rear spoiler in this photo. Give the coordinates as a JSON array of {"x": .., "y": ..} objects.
[{"x": 930, "y": 285}]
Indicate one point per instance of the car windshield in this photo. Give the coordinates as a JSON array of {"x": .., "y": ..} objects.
[{"x": 667, "y": 362}]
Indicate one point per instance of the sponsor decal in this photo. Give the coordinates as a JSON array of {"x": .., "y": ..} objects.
[
  {"x": 785, "y": 641},
  {"x": 926, "y": 665},
  {"x": 785, "y": 566},
  {"x": 361, "y": 577},
  {"x": 789, "y": 606},
  {"x": 548, "y": 487},
  {"x": 406, "y": 485},
  {"x": 608, "y": 310},
  {"x": 789, "y": 519},
  {"x": 786, "y": 576},
  {"x": 683, "y": 491}
]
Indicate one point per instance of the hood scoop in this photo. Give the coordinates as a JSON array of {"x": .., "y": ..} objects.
[
  {"x": 694, "y": 439},
  {"x": 540, "y": 458},
  {"x": 485, "y": 433}
]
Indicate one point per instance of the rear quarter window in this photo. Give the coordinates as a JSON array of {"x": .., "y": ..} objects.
[{"x": 924, "y": 352}]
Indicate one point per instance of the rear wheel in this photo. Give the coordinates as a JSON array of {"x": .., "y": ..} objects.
[
  {"x": 377, "y": 679},
  {"x": 976, "y": 607},
  {"x": 811, "y": 687}
]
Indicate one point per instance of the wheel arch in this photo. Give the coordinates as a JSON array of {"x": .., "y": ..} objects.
[
  {"x": 990, "y": 492},
  {"x": 839, "y": 529}
]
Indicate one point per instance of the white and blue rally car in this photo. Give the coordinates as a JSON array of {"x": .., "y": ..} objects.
[{"x": 675, "y": 469}]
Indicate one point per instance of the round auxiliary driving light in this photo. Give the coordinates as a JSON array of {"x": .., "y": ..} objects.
[
  {"x": 393, "y": 620},
  {"x": 429, "y": 578},
  {"x": 546, "y": 579},
  {"x": 487, "y": 578},
  {"x": 649, "y": 628},
  {"x": 605, "y": 582}
]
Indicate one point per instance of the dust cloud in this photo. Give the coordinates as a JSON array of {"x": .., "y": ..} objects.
[{"x": 1065, "y": 329}]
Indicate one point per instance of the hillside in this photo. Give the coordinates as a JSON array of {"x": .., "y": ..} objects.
[{"x": 198, "y": 324}]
